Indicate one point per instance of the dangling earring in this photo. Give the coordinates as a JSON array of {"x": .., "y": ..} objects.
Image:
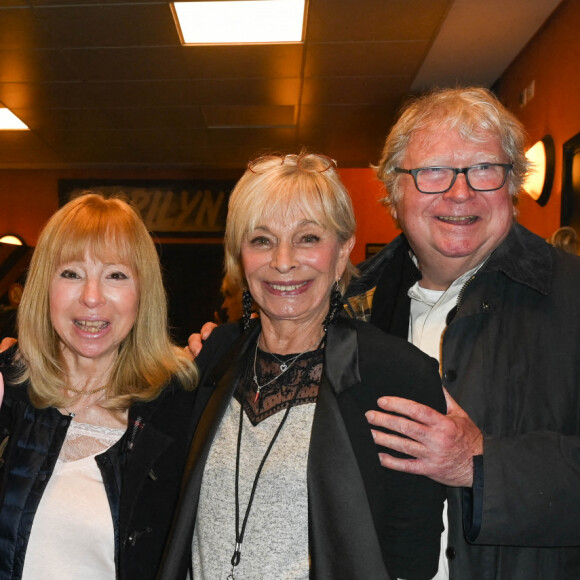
[
  {"x": 335, "y": 305},
  {"x": 247, "y": 303}
]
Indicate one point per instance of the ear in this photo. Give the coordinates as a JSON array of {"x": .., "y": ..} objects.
[{"x": 343, "y": 255}]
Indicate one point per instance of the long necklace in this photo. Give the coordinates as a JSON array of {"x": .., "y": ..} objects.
[
  {"x": 240, "y": 533},
  {"x": 284, "y": 366}
]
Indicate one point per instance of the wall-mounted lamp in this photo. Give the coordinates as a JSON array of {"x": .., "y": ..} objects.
[
  {"x": 13, "y": 240},
  {"x": 538, "y": 183}
]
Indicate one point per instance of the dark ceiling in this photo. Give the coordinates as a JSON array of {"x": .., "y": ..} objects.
[{"x": 107, "y": 84}]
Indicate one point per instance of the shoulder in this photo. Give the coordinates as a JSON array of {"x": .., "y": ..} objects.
[
  {"x": 389, "y": 365},
  {"x": 218, "y": 343},
  {"x": 378, "y": 348}
]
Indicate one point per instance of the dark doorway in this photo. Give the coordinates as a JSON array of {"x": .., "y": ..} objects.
[{"x": 192, "y": 274}]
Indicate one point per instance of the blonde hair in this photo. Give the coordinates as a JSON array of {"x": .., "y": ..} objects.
[
  {"x": 474, "y": 112},
  {"x": 274, "y": 187},
  {"x": 109, "y": 230}
]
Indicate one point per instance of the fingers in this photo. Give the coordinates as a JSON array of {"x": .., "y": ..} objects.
[
  {"x": 411, "y": 409},
  {"x": 404, "y": 465},
  {"x": 194, "y": 344},
  {"x": 452, "y": 405},
  {"x": 401, "y": 425},
  {"x": 188, "y": 353},
  {"x": 206, "y": 330},
  {"x": 397, "y": 443}
]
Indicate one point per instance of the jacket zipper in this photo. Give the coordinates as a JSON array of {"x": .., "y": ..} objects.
[{"x": 462, "y": 292}]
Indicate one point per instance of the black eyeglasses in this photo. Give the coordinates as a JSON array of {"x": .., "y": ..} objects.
[
  {"x": 481, "y": 177},
  {"x": 312, "y": 162}
]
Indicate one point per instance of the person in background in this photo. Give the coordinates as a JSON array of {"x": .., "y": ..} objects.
[
  {"x": 96, "y": 419},
  {"x": 231, "y": 307},
  {"x": 285, "y": 478},
  {"x": 500, "y": 309}
]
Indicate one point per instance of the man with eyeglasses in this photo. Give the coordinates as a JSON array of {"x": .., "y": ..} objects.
[{"x": 500, "y": 309}]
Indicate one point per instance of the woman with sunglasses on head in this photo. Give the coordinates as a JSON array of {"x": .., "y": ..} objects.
[{"x": 284, "y": 479}]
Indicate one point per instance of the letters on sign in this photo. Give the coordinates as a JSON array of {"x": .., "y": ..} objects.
[{"x": 174, "y": 208}]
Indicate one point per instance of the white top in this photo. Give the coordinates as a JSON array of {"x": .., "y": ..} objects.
[
  {"x": 427, "y": 323},
  {"x": 72, "y": 535},
  {"x": 276, "y": 538}
]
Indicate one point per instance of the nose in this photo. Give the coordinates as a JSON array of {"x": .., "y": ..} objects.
[
  {"x": 460, "y": 191},
  {"x": 283, "y": 258},
  {"x": 92, "y": 294}
]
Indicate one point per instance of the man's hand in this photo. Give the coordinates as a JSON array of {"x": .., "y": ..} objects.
[
  {"x": 6, "y": 343},
  {"x": 194, "y": 342},
  {"x": 443, "y": 445}
]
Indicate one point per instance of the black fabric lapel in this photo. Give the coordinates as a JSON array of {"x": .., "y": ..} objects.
[{"x": 343, "y": 538}]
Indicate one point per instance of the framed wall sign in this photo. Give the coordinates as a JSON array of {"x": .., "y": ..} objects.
[{"x": 169, "y": 208}]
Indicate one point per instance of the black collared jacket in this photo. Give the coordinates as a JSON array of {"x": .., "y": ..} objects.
[
  {"x": 141, "y": 473},
  {"x": 511, "y": 359},
  {"x": 365, "y": 521}
]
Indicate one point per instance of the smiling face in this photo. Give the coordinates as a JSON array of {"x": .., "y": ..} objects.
[
  {"x": 93, "y": 307},
  {"x": 452, "y": 232},
  {"x": 290, "y": 266}
]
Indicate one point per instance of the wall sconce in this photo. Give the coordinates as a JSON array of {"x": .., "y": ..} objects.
[
  {"x": 538, "y": 183},
  {"x": 13, "y": 240}
]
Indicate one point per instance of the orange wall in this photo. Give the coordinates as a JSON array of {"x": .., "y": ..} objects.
[
  {"x": 374, "y": 224},
  {"x": 552, "y": 60}
]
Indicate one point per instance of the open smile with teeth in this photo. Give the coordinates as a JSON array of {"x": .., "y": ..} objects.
[
  {"x": 458, "y": 219},
  {"x": 91, "y": 325},
  {"x": 288, "y": 287}
]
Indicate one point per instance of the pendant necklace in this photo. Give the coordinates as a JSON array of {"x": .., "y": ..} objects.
[
  {"x": 240, "y": 532},
  {"x": 73, "y": 414},
  {"x": 284, "y": 366}
]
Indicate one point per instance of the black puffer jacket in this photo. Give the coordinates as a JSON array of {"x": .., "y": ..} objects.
[
  {"x": 142, "y": 473},
  {"x": 511, "y": 359}
]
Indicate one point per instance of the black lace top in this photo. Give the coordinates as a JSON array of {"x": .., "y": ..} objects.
[{"x": 304, "y": 375}]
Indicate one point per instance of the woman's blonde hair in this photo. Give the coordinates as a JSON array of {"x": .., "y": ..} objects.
[
  {"x": 109, "y": 230},
  {"x": 274, "y": 187},
  {"x": 474, "y": 112}
]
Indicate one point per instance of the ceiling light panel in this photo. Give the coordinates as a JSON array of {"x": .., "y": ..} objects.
[
  {"x": 256, "y": 21},
  {"x": 10, "y": 122}
]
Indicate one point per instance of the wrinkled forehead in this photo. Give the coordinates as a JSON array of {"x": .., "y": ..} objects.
[{"x": 449, "y": 144}]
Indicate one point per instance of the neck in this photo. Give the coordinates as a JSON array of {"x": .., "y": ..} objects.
[
  {"x": 285, "y": 337},
  {"x": 439, "y": 276},
  {"x": 87, "y": 375}
]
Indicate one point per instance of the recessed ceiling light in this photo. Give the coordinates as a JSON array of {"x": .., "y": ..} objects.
[
  {"x": 9, "y": 121},
  {"x": 232, "y": 22}
]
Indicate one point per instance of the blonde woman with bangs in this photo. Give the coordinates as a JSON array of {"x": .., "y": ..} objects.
[
  {"x": 97, "y": 413},
  {"x": 285, "y": 478}
]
